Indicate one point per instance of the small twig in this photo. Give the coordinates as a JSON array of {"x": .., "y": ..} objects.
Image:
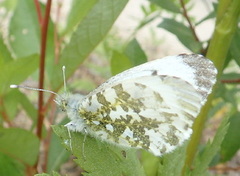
[
  {"x": 225, "y": 168},
  {"x": 39, "y": 13},
  {"x": 191, "y": 26},
  {"x": 236, "y": 81},
  {"x": 185, "y": 14}
]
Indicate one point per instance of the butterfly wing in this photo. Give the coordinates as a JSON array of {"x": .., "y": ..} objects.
[
  {"x": 151, "y": 106},
  {"x": 192, "y": 68}
]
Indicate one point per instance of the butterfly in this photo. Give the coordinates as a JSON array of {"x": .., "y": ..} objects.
[{"x": 151, "y": 106}]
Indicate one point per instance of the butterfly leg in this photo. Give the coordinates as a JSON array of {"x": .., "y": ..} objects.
[
  {"x": 83, "y": 145},
  {"x": 69, "y": 134}
]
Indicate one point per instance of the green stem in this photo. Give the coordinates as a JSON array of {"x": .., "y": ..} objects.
[{"x": 226, "y": 25}]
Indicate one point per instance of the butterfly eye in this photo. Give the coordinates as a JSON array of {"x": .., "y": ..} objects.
[{"x": 63, "y": 105}]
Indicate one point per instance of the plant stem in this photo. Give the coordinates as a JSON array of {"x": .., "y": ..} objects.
[
  {"x": 39, "y": 13},
  {"x": 191, "y": 26},
  {"x": 41, "y": 110},
  {"x": 234, "y": 81},
  {"x": 226, "y": 25},
  {"x": 185, "y": 14},
  {"x": 44, "y": 28}
]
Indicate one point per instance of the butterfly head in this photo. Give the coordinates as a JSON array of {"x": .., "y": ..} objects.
[
  {"x": 62, "y": 102},
  {"x": 70, "y": 104}
]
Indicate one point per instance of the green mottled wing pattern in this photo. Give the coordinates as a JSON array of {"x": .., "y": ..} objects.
[{"x": 156, "y": 115}]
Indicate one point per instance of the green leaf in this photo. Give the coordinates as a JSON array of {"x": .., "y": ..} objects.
[
  {"x": 10, "y": 104},
  {"x": 84, "y": 84},
  {"x": 24, "y": 30},
  {"x": 79, "y": 9},
  {"x": 57, "y": 153},
  {"x": 171, "y": 164},
  {"x": 135, "y": 53},
  {"x": 9, "y": 5},
  {"x": 5, "y": 55},
  {"x": 28, "y": 106},
  {"x": 9, "y": 166},
  {"x": 168, "y": 5},
  {"x": 228, "y": 94},
  {"x": 19, "y": 144},
  {"x": 183, "y": 33},
  {"x": 16, "y": 71},
  {"x": 133, "y": 56},
  {"x": 150, "y": 163},
  {"x": 230, "y": 76},
  {"x": 11, "y": 101},
  {"x": 98, "y": 158},
  {"x": 231, "y": 142},
  {"x": 168, "y": 165},
  {"x": 210, "y": 15},
  {"x": 87, "y": 36},
  {"x": 202, "y": 161},
  {"x": 119, "y": 63},
  {"x": 51, "y": 57}
]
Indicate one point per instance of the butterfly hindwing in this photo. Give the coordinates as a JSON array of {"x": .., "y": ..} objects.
[{"x": 151, "y": 106}]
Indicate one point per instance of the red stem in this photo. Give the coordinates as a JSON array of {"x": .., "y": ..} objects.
[
  {"x": 236, "y": 81},
  {"x": 188, "y": 20},
  {"x": 49, "y": 103},
  {"x": 42, "y": 67},
  {"x": 41, "y": 110},
  {"x": 39, "y": 13},
  {"x": 191, "y": 26}
]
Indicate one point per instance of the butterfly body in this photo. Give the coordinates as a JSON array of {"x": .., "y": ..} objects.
[{"x": 151, "y": 106}]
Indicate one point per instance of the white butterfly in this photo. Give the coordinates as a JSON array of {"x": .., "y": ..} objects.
[{"x": 151, "y": 106}]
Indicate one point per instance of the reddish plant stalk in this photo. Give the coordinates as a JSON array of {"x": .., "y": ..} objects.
[
  {"x": 191, "y": 26},
  {"x": 44, "y": 28},
  {"x": 185, "y": 14},
  {"x": 39, "y": 13},
  {"x": 235, "y": 81}
]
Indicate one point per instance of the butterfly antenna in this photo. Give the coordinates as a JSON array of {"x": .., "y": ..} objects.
[
  {"x": 13, "y": 86},
  {"x": 64, "y": 78}
]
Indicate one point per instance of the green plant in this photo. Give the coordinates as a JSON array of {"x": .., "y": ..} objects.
[{"x": 35, "y": 45}]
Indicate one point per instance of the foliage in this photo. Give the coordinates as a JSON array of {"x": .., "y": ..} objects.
[{"x": 30, "y": 31}]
